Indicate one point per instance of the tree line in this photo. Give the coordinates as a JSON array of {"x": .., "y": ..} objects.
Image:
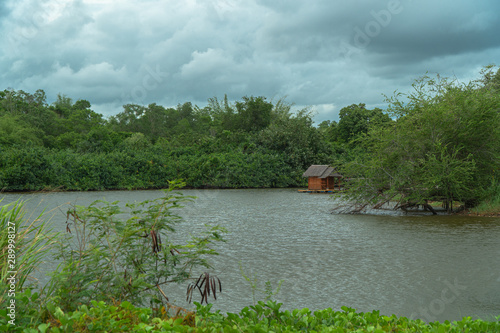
[
  {"x": 249, "y": 143},
  {"x": 439, "y": 142}
]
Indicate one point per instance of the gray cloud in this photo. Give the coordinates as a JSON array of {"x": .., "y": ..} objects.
[
  {"x": 5, "y": 9},
  {"x": 327, "y": 54}
]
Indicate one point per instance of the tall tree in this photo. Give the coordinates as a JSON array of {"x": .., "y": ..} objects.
[
  {"x": 62, "y": 106},
  {"x": 356, "y": 120},
  {"x": 254, "y": 113},
  {"x": 444, "y": 145}
]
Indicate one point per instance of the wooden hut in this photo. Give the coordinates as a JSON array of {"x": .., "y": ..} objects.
[{"x": 322, "y": 178}]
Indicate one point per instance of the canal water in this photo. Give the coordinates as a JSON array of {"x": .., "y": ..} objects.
[{"x": 427, "y": 267}]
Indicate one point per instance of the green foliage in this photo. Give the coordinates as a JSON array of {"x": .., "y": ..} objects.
[
  {"x": 295, "y": 137},
  {"x": 356, "y": 120},
  {"x": 442, "y": 142},
  {"x": 268, "y": 317},
  {"x": 98, "y": 139},
  {"x": 25, "y": 168},
  {"x": 262, "y": 317},
  {"x": 24, "y": 244},
  {"x": 142, "y": 165},
  {"x": 254, "y": 113},
  {"x": 346, "y": 139},
  {"x": 444, "y": 145},
  {"x": 82, "y": 120},
  {"x": 98, "y": 317},
  {"x": 62, "y": 106},
  {"x": 127, "y": 253},
  {"x": 14, "y": 131},
  {"x": 68, "y": 146},
  {"x": 136, "y": 141},
  {"x": 13, "y": 240},
  {"x": 490, "y": 201}
]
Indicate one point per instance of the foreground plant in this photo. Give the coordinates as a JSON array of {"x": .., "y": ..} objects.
[
  {"x": 23, "y": 244},
  {"x": 126, "y": 254},
  {"x": 262, "y": 317}
]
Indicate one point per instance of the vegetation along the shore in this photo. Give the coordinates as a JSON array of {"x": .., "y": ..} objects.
[
  {"x": 440, "y": 144},
  {"x": 437, "y": 143},
  {"x": 443, "y": 144}
]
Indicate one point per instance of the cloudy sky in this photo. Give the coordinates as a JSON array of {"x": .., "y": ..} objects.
[{"x": 321, "y": 53}]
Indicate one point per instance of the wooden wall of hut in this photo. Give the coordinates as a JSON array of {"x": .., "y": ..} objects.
[
  {"x": 330, "y": 183},
  {"x": 315, "y": 183}
]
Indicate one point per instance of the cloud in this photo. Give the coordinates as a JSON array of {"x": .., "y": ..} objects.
[
  {"x": 421, "y": 32},
  {"x": 94, "y": 82},
  {"x": 325, "y": 53},
  {"x": 5, "y": 8}
]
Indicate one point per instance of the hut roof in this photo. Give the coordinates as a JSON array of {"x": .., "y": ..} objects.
[{"x": 321, "y": 171}]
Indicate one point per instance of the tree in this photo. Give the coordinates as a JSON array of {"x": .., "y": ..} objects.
[
  {"x": 81, "y": 104},
  {"x": 444, "y": 145},
  {"x": 295, "y": 136},
  {"x": 98, "y": 139},
  {"x": 156, "y": 121},
  {"x": 83, "y": 120},
  {"x": 129, "y": 119},
  {"x": 21, "y": 102},
  {"x": 127, "y": 252},
  {"x": 491, "y": 79},
  {"x": 14, "y": 131},
  {"x": 329, "y": 130},
  {"x": 62, "y": 106},
  {"x": 254, "y": 113},
  {"x": 136, "y": 142},
  {"x": 222, "y": 114},
  {"x": 356, "y": 120}
]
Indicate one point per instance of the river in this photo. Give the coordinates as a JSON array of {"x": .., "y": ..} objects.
[{"x": 427, "y": 267}]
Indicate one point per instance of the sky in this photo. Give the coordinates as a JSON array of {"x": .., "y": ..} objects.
[{"x": 322, "y": 54}]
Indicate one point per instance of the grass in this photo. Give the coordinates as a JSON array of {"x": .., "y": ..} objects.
[
  {"x": 490, "y": 206},
  {"x": 23, "y": 244}
]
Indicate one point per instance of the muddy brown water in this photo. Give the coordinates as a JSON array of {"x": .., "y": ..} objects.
[{"x": 428, "y": 267}]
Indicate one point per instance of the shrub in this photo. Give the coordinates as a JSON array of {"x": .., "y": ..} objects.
[
  {"x": 23, "y": 245},
  {"x": 126, "y": 254}
]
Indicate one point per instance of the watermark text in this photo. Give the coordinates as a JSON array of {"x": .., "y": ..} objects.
[{"x": 11, "y": 273}]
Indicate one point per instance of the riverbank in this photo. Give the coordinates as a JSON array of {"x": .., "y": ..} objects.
[
  {"x": 472, "y": 212},
  {"x": 122, "y": 189},
  {"x": 489, "y": 207}
]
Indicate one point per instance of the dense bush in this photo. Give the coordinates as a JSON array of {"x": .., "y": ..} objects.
[
  {"x": 38, "y": 168},
  {"x": 250, "y": 143}
]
